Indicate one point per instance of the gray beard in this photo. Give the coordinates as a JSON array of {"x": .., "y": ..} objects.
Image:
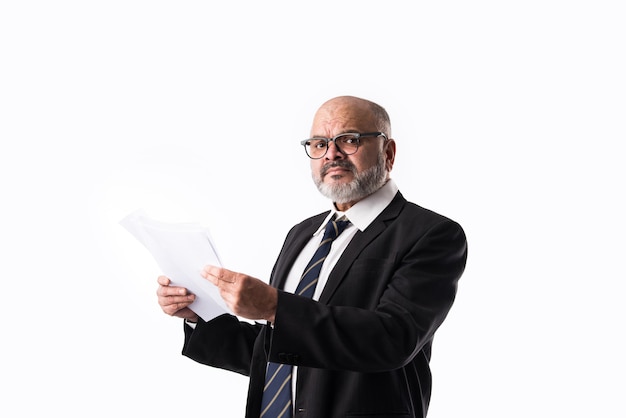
[{"x": 363, "y": 185}]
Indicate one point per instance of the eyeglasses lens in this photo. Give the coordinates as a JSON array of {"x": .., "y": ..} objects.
[{"x": 348, "y": 144}]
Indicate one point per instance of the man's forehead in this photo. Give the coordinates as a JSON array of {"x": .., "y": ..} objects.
[{"x": 338, "y": 121}]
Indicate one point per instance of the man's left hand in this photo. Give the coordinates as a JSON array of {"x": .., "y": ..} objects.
[{"x": 244, "y": 295}]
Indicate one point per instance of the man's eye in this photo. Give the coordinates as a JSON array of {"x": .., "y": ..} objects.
[
  {"x": 318, "y": 144},
  {"x": 348, "y": 139}
]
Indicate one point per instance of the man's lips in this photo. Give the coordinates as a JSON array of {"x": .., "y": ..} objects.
[{"x": 337, "y": 169}]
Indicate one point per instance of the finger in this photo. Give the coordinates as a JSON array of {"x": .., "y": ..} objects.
[
  {"x": 217, "y": 274},
  {"x": 163, "y": 280},
  {"x": 210, "y": 270},
  {"x": 174, "y": 308},
  {"x": 176, "y": 303},
  {"x": 210, "y": 274},
  {"x": 167, "y": 291}
]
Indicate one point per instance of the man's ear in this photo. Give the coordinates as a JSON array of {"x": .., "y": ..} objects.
[{"x": 389, "y": 148}]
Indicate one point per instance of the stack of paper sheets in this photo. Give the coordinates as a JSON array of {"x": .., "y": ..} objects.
[{"x": 181, "y": 250}]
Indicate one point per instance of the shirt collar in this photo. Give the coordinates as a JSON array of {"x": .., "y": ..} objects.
[{"x": 363, "y": 213}]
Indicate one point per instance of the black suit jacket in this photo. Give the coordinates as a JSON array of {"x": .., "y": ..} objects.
[{"x": 364, "y": 348}]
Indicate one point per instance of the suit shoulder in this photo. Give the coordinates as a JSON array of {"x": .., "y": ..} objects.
[{"x": 425, "y": 215}]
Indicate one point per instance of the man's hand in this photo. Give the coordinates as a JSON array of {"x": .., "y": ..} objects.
[
  {"x": 175, "y": 300},
  {"x": 244, "y": 295}
]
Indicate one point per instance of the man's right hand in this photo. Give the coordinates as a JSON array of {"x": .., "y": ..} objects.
[{"x": 175, "y": 300}]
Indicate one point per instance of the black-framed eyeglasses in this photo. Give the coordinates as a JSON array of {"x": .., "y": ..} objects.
[{"x": 347, "y": 143}]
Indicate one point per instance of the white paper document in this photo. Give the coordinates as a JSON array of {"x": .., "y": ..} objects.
[{"x": 181, "y": 250}]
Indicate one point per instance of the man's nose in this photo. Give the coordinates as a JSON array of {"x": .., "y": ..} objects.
[{"x": 334, "y": 153}]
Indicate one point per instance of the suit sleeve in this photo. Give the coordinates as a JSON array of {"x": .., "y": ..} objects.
[
  {"x": 223, "y": 342},
  {"x": 406, "y": 298}
]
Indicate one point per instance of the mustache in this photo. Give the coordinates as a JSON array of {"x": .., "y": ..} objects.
[{"x": 341, "y": 164}]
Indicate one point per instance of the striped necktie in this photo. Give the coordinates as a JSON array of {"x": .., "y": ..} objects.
[{"x": 277, "y": 392}]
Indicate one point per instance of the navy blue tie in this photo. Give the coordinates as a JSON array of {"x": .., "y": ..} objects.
[{"x": 277, "y": 392}]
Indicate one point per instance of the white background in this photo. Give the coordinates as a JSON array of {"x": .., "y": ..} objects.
[{"x": 508, "y": 118}]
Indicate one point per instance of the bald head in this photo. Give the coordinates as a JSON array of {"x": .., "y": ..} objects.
[{"x": 350, "y": 112}]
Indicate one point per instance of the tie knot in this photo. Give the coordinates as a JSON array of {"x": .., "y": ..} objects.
[{"x": 335, "y": 227}]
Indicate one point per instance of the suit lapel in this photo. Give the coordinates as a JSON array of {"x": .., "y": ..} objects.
[
  {"x": 292, "y": 248},
  {"x": 358, "y": 243}
]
